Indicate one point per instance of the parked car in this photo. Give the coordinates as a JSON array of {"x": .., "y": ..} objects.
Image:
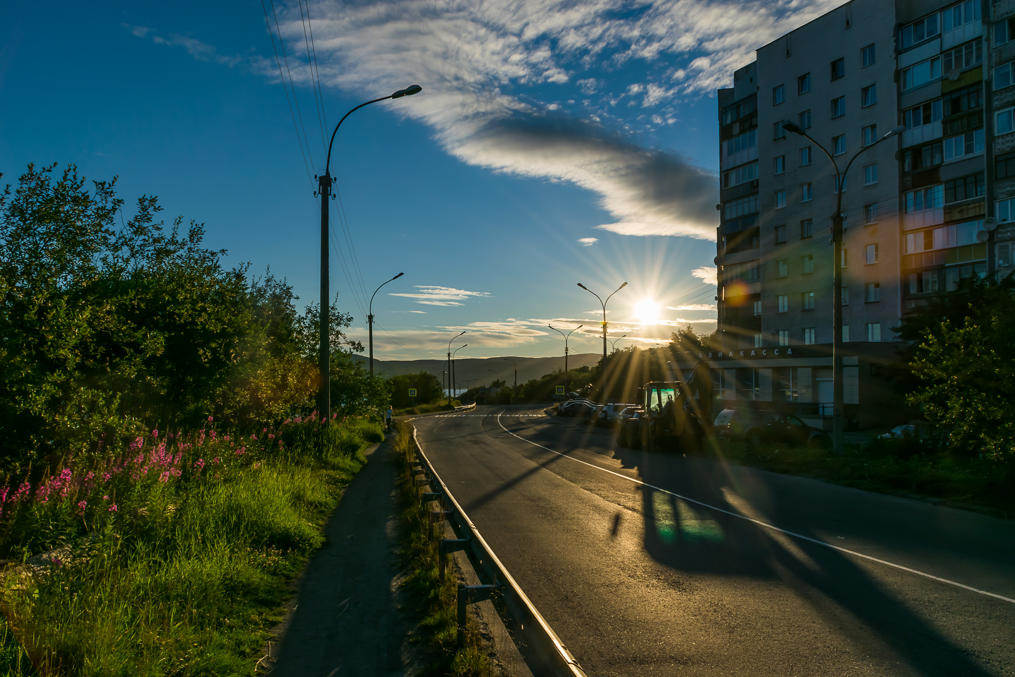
[
  {"x": 758, "y": 427},
  {"x": 610, "y": 413}
]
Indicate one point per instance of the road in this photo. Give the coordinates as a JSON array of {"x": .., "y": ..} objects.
[{"x": 658, "y": 564}]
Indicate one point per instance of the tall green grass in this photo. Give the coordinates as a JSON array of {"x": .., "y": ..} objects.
[{"x": 185, "y": 576}]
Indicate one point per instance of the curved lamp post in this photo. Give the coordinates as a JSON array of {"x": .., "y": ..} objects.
[
  {"x": 603, "y": 303},
  {"x": 449, "y": 366},
  {"x": 370, "y": 320},
  {"x": 454, "y": 380},
  {"x": 566, "y": 336},
  {"x": 837, "y": 384},
  {"x": 324, "y": 191},
  {"x": 614, "y": 342}
]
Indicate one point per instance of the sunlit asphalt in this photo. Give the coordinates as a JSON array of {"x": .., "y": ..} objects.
[{"x": 697, "y": 567}]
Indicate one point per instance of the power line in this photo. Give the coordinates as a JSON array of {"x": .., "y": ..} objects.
[
  {"x": 285, "y": 60},
  {"x": 305, "y": 19},
  {"x": 278, "y": 62}
]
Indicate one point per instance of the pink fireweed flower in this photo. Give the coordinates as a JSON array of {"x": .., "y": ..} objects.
[
  {"x": 81, "y": 507},
  {"x": 287, "y": 421},
  {"x": 226, "y": 437},
  {"x": 22, "y": 491},
  {"x": 164, "y": 477},
  {"x": 216, "y": 460},
  {"x": 271, "y": 436},
  {"x": 297, "y": 420},
  {"x": 257, "y": 465},
  {"x": 253, "y": 437},
  {"x": 210, "y": 419},
  {"x": 112, "y": 508},
  {"x": 199, "y": 464},
  {"x": 264, "y": 430},
  {"x": 241, "y": 451},
  {"x": 155, "y": 433},
  {"x": 213, "y": 434},
  {"x": 106, "y": 497},
  {"x": 106, "y": 477}
]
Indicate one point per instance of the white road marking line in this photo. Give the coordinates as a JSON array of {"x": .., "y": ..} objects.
[{"x": 767, "y": 525}]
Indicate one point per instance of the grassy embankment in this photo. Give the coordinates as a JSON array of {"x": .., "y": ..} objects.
[
  {"x": 173, "y": 556},
  {"x": 430, "y": 408},
  {"x": 431, "y": 602},
  {"x": 899, "y": 467}
]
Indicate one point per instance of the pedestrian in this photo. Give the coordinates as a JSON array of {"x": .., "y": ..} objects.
[{"x": 387, "y": 418}]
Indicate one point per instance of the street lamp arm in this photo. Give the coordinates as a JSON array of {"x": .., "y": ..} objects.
[
  {"x": 796, "y": 129},
  {"x": 371, "y": 312},
  {"x": 594, "y": 294},
  {"x": 614, "y": 292},
  {"x": 575, "y": 329},
  {"x": 408, "y": 91},
  {"x": 886, "y": 135}
]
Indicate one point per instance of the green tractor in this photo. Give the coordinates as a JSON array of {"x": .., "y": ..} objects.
[{"x": 672, "y": 417}]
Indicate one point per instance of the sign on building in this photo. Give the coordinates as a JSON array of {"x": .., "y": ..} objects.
[{"x": 413, "y": 392}]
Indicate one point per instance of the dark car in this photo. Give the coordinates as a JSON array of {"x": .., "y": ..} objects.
[{"x": 788, "y": 429}]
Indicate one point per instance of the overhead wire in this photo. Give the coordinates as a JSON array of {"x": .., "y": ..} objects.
[
  {"x": 305, "y": 19},
  {"x": 292, "y": 114},
  {"x": 347, "y": 233},
  {"x": 290, "y": 81}
]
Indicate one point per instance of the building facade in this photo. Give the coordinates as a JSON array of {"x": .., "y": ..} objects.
[{"x": 917, "y": 99}]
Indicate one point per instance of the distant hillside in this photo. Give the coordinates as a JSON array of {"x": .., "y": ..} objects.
[{"x": 470, "y": 372}]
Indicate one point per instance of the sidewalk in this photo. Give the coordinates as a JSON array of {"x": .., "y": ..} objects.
[{"x": 346, "y": 619}]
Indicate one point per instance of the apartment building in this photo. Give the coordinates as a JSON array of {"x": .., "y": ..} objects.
[{"x": 923, "y": 208}]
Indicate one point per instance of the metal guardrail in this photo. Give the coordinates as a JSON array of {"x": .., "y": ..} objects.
[{"x": 536, "y": 640}]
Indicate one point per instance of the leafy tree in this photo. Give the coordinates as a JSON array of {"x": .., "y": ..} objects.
[
  {"x": 428, "y": 389},
  {"x": 964, "y": 366}
]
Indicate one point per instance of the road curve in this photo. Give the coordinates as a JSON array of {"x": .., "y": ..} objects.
[{"x": 658, "y": 564}]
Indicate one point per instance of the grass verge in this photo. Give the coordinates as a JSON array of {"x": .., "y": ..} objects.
[
  {"x": 886, "y": 467},
  {"x": 431, "y": 408},
  {"x": 176, "y": 560},
  {"x": 430, "y": 602}
]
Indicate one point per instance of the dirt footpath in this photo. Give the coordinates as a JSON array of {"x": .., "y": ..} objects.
[{"x": 346, "y": 619}]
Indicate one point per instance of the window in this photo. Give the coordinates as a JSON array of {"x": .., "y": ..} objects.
[
  {"x": 739, "y": 175},
  {"x": 870, "y": 174},
  {"x": 807, "y": 264},
  {"x": 781, "y": 268},
  {"x": 964, "y": 188},
  {"x": 963, "y": 145},
  {"x": 1004, "y": 121},
  {"x": 808, "y": 336},
  {"x": 868, "y": 96},
  {"x": 870, "y": 253},
  {"x": 874, "y": 332},
  {"x": 805, "y": 156},
  {"x": 783, "y": 303},
  {"x": 918, "y": 31},
  {"x": 921, "y": 73},
  {"x": 924, "y": 114},
  {"x": 931, "y": 197},
  {"x": 922, "y": 157},
  {"x": 780, "y": 199},
  {"x": 741, "y": 142},
  {"x": 778, "y": 95},
  {"x": 777, "y": 131},
  {"x": 780, "y": 234},
  {"x": 1004, "y": 30},
  {"x": 758, "y": 340},
  {"x": 844, "y": 293},
  {"x": 869, "y": 134},
  {"x": 1004, "y": 75},
  {"x": 844, "y": 257},
  {"x": 960, "y": 14},
  {"x": 944, "y": 237},
  {"x": 868, "y": 55},
  {"x": 806, "y": 193},
  {"x": 838, "y": 68},
  {"x": 838, "y": 107},
  {"x": 806, "y": 229},
  {"x": 737, "y": 208},
  {"x": 870, "y": 213},
  {"x": 1005, "y": 210},
  {"x": 872, "y": 292},
  {"x": 807, "y": 300},
  {"x": 839, "y": 144},
  {"x": 805, "y": 119},
  {"x": 780, "y": 164},
  {"x": 757, "y": 309},
  {"x": 803, "y": 83},
  {"x": 1004, "y": 166},
  {"x": 783, "y": 337},
  {"x": 845, "y": 333},
  {"x": 965, "y": 99},
  {"x": 963, "y": 57}
]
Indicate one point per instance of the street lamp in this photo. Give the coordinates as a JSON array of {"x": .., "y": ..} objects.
[
  {"x": 324, "y": 191},
  {"x": 603, "y": 303},
  {"x": 449, "y": 365},
  {"x": 454, "y": 380},
  {"x": 370, "y": 321},
  {"x": 837, "y": 382},
  {"x": 566, "y": 336},
  {"x": 613, "y": 343}
]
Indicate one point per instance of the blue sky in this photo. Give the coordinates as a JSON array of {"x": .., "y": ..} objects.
[{"x": 553, "y": 142}]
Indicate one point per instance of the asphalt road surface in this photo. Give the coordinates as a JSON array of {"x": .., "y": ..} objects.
[{"x": 659, "y": 564}]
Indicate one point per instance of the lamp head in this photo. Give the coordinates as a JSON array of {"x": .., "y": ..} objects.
[
  {"x": 792, "y": 127},
  {"x": 583, "y": 286},
  {"x": 408, "y": 91},
  {"x": 398, "y": 276},
  {"x": 621, "y": 286}
]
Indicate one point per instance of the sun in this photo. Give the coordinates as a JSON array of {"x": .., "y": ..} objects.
[{"x": 647, "y": 311}]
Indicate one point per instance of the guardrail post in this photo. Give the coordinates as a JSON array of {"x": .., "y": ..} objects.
[
  {"x": 468, "y": 594},
  {"x": 445, "y": 548}
]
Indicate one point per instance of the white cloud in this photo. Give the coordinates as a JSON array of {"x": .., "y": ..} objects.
[
  {"x": 588, "y": 241},
  {"x": 706, "y": 274},
  {"x": 436, "y": 295},
  {"x": 197, "y": 49}
]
